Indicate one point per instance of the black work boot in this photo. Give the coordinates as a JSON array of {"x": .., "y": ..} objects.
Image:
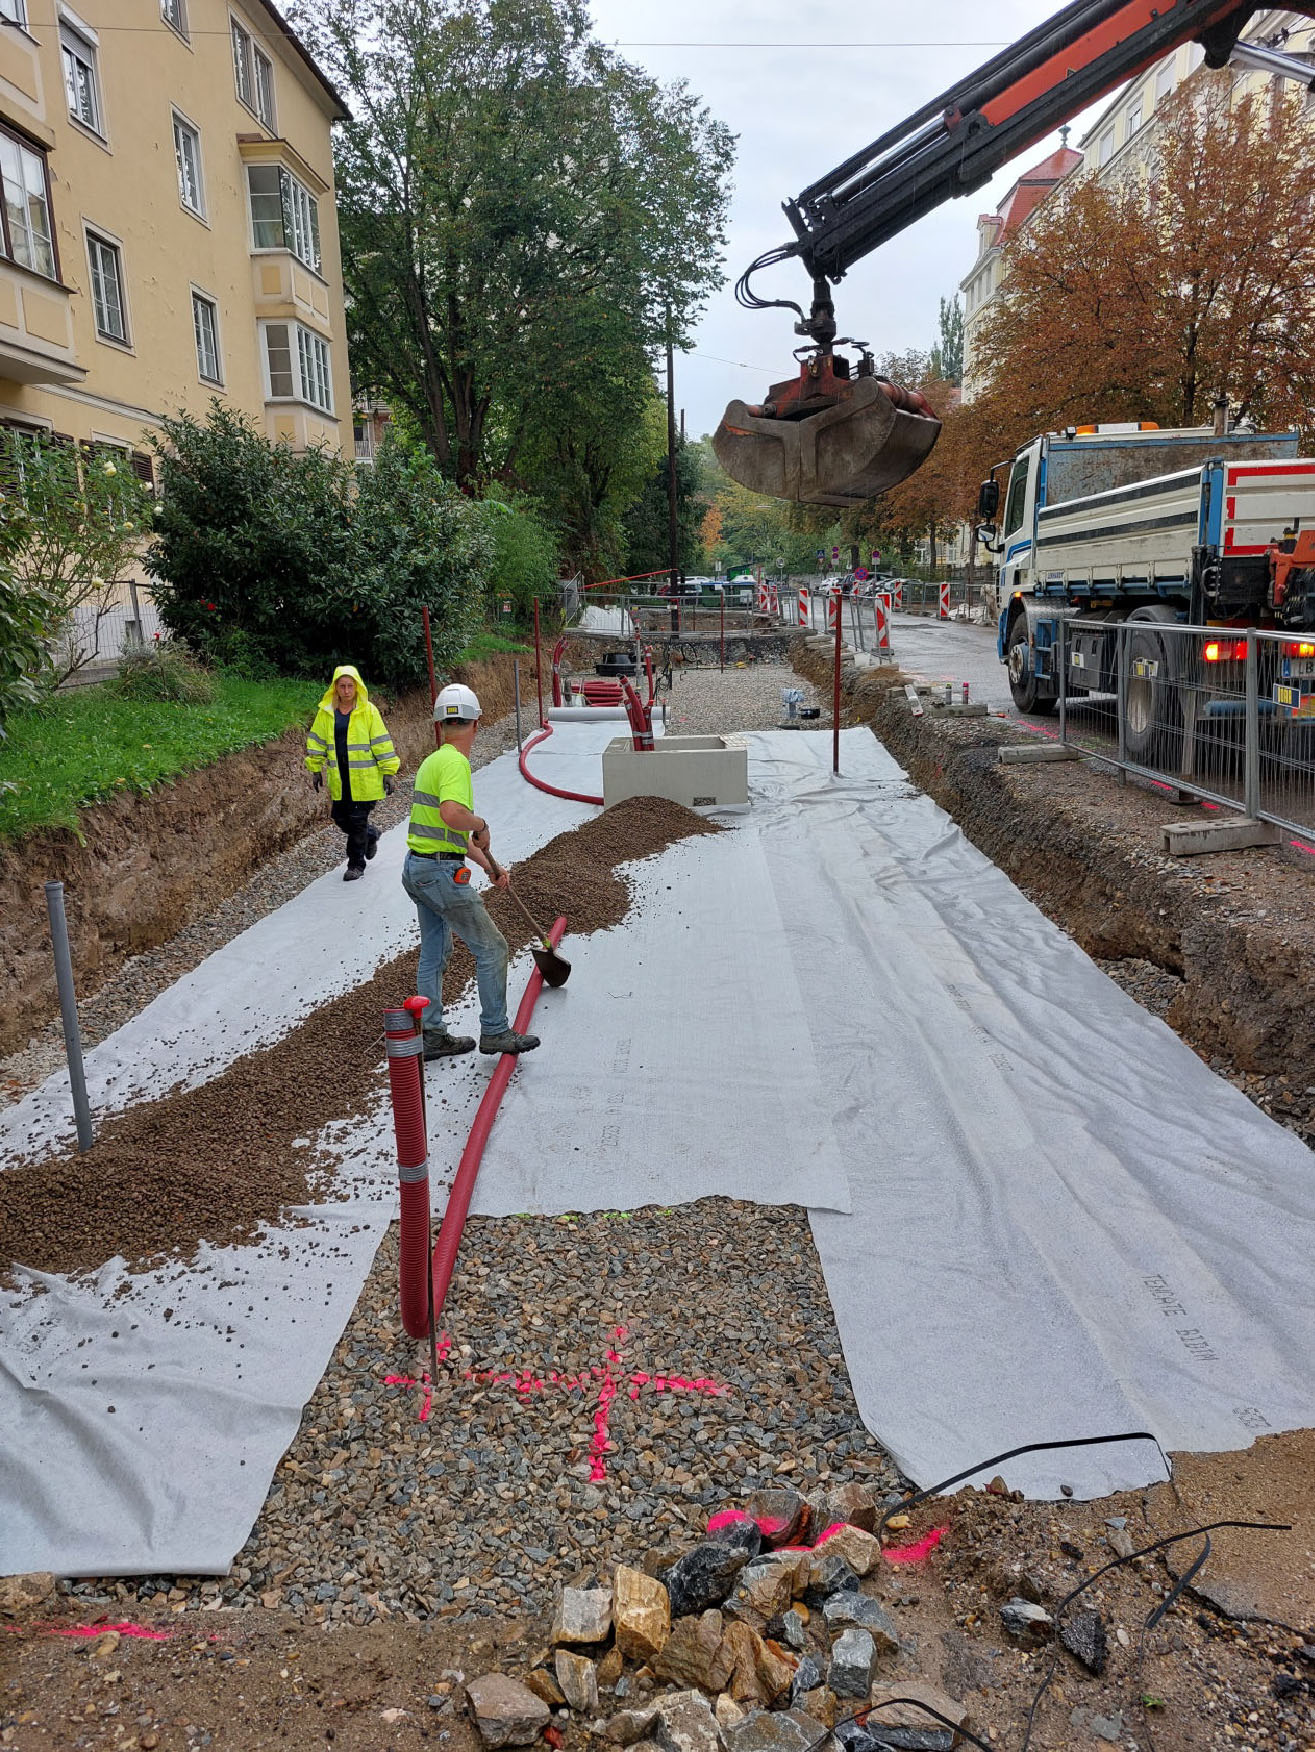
[
  {"x": 508, "y": 1041},
  {"x": 440, "y": 1044},
  {"x": 353, "y": 873},
  {"x": 372, "y": 842}
]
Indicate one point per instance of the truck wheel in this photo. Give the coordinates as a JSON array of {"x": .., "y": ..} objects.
[
  {"x": 1151, "y": 706},
  {"x": 1022, "y": 682}
]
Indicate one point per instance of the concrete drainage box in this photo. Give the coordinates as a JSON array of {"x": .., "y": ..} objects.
[{"x": 694, "y": 770}]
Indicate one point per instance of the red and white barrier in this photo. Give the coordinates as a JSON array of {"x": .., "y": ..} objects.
[
  {"x": 764, "y": 599},
  {"x": 773, "y": 599},
  {"x": 833, "y": 602},
  {"x": 881, "y": 604},
  {"x": 803, "y": 606},
  {"x": 898, "y": 594},
  {"x": 943, "y": 611}
]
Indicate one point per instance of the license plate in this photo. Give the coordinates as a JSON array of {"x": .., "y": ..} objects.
[
  {"x": 1299, "y": 703},
  {"x": 1299, "y": 666}
]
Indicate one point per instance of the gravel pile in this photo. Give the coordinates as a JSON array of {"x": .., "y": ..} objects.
[
  {"x": 704, "y": 701},
  {"x": 491, "y": 1502},
  {"x": 217, "y": 1162}
]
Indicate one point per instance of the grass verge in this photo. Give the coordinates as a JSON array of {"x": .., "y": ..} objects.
[
  {"x": 485, "y": 644},
  {"x": 87, "y": 745}
]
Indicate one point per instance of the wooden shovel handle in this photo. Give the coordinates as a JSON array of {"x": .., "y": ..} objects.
[{"x": 497, "y": 871}]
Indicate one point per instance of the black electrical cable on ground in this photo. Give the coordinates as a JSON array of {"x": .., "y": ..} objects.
[{"x": 861, "y": 1716}]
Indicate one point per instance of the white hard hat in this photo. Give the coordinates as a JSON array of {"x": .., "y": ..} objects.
[{"x": 456, "y": 704}]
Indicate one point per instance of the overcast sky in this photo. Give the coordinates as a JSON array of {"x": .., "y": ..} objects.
[{"x": 798, "y": 111}]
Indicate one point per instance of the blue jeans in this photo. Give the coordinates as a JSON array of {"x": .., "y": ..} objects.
[{"x": 449, "y": 908}]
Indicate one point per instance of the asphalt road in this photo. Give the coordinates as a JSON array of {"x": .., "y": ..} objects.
[{"x": 956, "y": 651}]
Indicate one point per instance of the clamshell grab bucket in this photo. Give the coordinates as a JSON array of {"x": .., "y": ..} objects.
[{"x": 846, "y": 454}]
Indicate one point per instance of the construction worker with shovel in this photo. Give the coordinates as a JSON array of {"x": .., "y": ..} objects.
[{"x": 444, "y": 832}]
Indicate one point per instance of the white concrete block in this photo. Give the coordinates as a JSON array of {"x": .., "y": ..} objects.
[
  {"x": 1230, "y": 833},
  {"x": 698, "y": 771},
  {"x": 1029, "y": 753}
]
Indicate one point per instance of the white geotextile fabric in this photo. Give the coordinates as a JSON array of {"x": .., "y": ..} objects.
[
  {"x": 676, "y": 1056},
  {"x": 207, "y": 1366}
]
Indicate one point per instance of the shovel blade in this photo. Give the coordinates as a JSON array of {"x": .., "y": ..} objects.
[{"x": 555, "y": 968}]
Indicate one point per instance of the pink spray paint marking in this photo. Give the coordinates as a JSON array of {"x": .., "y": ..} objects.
[
  {"x": 916, "y": 1553},
  {"x": 608, "y": 1379},
  {"x": 139, "y": 1630}
]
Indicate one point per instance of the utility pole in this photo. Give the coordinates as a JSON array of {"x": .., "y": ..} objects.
[{"x": 672, "y": 527}]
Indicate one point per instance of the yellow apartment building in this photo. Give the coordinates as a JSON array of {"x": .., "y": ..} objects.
[{"x": 168, "y": 223}]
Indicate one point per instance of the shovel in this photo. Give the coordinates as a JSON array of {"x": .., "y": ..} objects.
[{"x": 555, "y": 968}]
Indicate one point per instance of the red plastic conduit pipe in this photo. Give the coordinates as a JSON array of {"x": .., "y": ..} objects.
[
  {"x": 542, "y": 784},
  {"x": 458, "y": 1201},
  {"x": 403, "y": 1043}
]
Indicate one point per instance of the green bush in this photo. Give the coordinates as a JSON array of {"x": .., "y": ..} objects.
[
  {"x": 163, "y": 670},
  {"x": 524, "y": 558},
  {"x": 274, "y": 562}
]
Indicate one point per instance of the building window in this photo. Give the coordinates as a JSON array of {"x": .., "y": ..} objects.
[
  {"x": 1164, "y": 77},
  {"x": 174, "y": 13},
  {"x": 1134, "y": 119},
  {"x": 205, "y": 321},
  {"x": 187, "y": 151},
  {"x": 80, "y": 80},
  {"x": 28, "y": 232},
  {"x": 15, "y": 11},
  {"x": 107, "y": 288},
  {"x": 284, "y": 215},
  {"x": 1106, "y": 149},
  {"x": 297, "y": 361},
  {"x": 253, "y": 75}
]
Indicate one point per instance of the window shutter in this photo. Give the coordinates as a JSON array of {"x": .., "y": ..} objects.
[{"x": 143, "y": 467}]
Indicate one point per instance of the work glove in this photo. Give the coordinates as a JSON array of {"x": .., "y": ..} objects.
[
  {"x": 317, "y": 783},
  {"x": 388, "y": 787}
]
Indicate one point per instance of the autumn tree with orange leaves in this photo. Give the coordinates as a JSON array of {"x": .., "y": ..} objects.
[{"x": 1146, "y": 299}]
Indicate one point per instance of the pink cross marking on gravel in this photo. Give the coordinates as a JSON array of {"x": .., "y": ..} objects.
[{"x": 608, "y": 1377}]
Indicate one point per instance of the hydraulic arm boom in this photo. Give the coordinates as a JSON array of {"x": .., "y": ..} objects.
[{"x": 834, "y": 437}]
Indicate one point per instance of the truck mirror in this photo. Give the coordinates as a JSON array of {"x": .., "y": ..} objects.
[{"x": 988, "y": 500}]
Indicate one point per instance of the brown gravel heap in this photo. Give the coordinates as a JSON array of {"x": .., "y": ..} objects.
[{"x": 218, "y": 1163}]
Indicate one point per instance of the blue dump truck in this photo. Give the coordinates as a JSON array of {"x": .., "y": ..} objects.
[{"x": 1133, "y": 523}]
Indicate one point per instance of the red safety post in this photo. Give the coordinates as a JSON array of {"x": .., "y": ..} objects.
[
  {"x": 429, "y": 658},
  {"x": 943, "y": 601},
  {"x": 835, "y": 693},
  {"x": 538, "y": 660},
  {"x": 404, "y": 1047},
  {"x": 458, "y": 1200},
  {"x": 802, "y": 605},
  {"x": 723, "y": 631}
]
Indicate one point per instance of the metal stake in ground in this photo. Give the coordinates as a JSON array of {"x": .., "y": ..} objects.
[
  {"x": 429, "y": 658},
  {"x": 835, "y": 696},
  {"x": 538, "y": 661},
  {"x": 68, "y": 1011}
]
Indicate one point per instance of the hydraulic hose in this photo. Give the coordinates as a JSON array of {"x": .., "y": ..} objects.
[
  {"x": 542, "y": 784},
  {"x": 458, "y": 1202}
]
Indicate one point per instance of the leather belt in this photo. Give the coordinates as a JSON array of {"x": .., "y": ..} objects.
[{"x": 442, "y": 857}]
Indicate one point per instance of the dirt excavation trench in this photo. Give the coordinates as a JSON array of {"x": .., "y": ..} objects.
[{"x": 218, "y": 1162}]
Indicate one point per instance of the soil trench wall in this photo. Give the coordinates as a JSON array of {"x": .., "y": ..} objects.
[
  {"x": 155, "y": 862},
  {"x": 1106, "y": 881}
]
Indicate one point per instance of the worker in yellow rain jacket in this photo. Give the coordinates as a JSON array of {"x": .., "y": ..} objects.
[{"x": 351, "y": 739}]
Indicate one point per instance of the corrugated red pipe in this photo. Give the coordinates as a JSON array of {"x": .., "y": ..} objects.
[
  {"x": 458, "y": 1201},
  {"x": 542, "y": 784},
  {"x": 403, "y": 1043}
]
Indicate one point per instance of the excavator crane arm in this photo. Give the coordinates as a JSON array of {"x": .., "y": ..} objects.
[{"x": 838, "y": 435}]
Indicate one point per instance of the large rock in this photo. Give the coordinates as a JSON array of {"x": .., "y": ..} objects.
[
  {"x": 695, "y": 1654},
  {"x": 1022, "y": 1618},
  {"x": 842, "y": 1611},
  {"x": 760, "y": 1672},
  {"x": 785, "y": 1730},
  {"x": 583, "y": 1615},
  {"x": 827, "y": 1574},
  {"x": 782, "y": 1516},
  {"x": 853, "y": 1662},
  {"x": 851, "y": 1503},
  {"x": 684, "y": 1722},
  {"x": 505, "y": 1712},
  {"x": 578, "y": 1678},
  {"x": 734, "y": 1528},
  {"x": 19, "y": 1594},
  {"x": 703, "y": 1577},
  {"x": 641, "y": 1611},
  {"x": 860, "y": 1550},
  {"x": 631, "y": 1725},
  {"x": 906, "y": 1716},
  {"x": 808, "y": 1676},
  {"x": 766, "y": 1587}
]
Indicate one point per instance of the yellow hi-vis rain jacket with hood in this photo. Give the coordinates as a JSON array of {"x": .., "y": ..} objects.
[{"x": 370, "y": 752}]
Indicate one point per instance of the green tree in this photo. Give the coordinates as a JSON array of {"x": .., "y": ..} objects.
[
  {"x": 947, "y": 355},
  {"x": 27, "y": 618},
  {"x": 648, "y": 524},
  {"x": 84, "y": 516},
  {"x": 505, "y": 177}
]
